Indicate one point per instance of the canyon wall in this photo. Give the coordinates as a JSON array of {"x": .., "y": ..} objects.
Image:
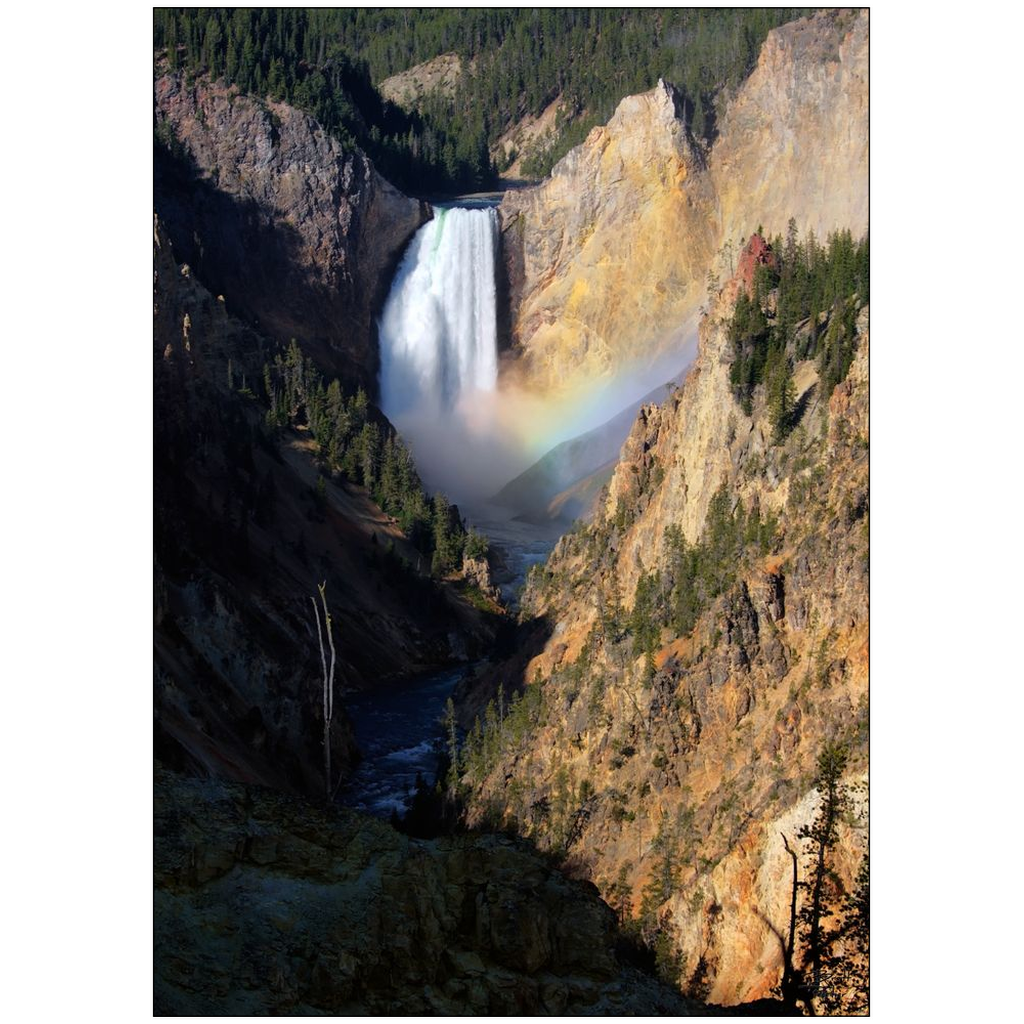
[
  {"x": 667, "y": 778},
  {"x": 295, "y": 229},
  {"x": 242, "y": 540},
  {"x": 608, "y": 258},
  {"x": 794, "y": 140}
]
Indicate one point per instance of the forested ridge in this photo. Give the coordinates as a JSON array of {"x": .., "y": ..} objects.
[
  {"x": 803, "y": 281},
  {"x": 516, "y": 61},
  {"x": 355, "y": 443}
]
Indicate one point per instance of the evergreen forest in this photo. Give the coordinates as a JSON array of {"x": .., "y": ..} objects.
[
  {"x": 356, "y": 443},
  {"x": 330, "y": 62},
  {"x": 804, "y": 305}
]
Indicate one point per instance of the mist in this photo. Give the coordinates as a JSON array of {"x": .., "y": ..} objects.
[{"x": 471, "y": 450}]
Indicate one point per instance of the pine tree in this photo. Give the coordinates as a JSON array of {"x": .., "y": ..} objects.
[
  {"x": 172, "y": 42},
  {"x": 368, "y": 448},
  {"x": 476, "y": 545},
  {"x": 246, "y": 77},
  {"x": 781, "y": 396},
  {"x": 231, "y": 62},
  {"x": 447, "y": 549},
  {"x": 451, "y": 732},
  {"x": 276, "y": 80},
  {"x": 360, "y": 405},
  {"x": 789, "y": 254},
  {"x": 844, "y": 985},
  {"x": 820, "y": 838},
  {"x": 698, "y": 126},
  {"x": 212, "y": 49}
]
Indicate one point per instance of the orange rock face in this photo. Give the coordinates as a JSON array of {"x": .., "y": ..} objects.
[{"x": 669, "y": 779}]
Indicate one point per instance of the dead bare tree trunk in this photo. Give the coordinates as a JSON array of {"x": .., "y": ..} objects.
[{"x": 328, "y": 679}]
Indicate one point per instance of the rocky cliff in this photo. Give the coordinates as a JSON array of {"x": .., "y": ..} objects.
[
  {"x": 687, "y": 657},
  {"x": 295, "y": 229},
  {"x": 242, "y": 541},
  {"x": 794, "y": 140},
  {"x": 266, "y": 906},
  {"x": 608, "y": 256},
  {"x": 607, "y": 260},
  {"x": 409, "y": 88}
]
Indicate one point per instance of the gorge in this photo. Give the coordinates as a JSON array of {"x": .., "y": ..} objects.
[{"x": 588, "y": 456}]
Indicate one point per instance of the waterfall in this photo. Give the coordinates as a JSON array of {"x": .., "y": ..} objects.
[{"x": 438, "y": 337}]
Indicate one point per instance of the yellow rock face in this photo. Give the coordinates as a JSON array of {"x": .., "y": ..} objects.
[
  {"x": 606, "y": 277},
  {"x": 608, "y": 258},
  {"x": 794, "y": 142},
  {"x": 438, "y": 75},
  {"x": 723, "y": 733}
]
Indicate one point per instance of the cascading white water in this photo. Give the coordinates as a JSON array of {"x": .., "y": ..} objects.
[{"x": 438, "y": 335}]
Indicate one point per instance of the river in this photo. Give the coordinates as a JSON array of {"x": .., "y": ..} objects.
[{"x": 398, "y": 729}]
